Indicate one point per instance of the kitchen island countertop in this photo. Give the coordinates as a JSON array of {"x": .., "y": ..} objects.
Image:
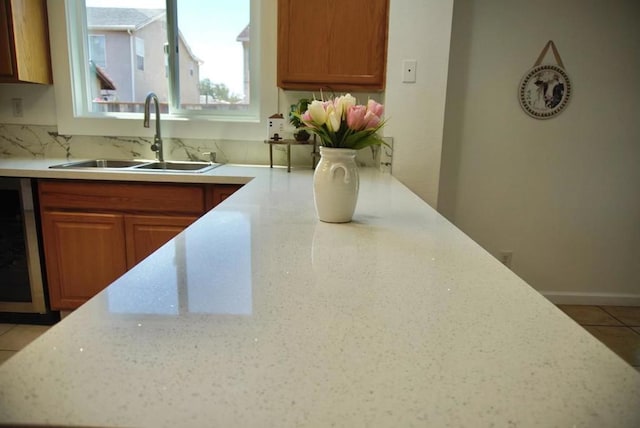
[{"x": 260, "y": 315}]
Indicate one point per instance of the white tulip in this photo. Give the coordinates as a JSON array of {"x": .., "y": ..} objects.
[
  {"x": 333, "y": 121},
  {"x": 342, "y": 104},
  {"x": 317, "y": 112}
]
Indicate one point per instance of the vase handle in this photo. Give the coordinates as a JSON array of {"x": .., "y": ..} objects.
[{"x": 335, "y": 166}]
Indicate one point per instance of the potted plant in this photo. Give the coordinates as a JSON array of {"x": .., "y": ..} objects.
[{"x": 295, "y": 118}]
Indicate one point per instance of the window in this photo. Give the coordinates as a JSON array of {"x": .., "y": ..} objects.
[
  {"x": 209, "y": 36},
  {"x": 140, "y": 53},
  {"x": 97, "y": 51},
  {"x": 209, "y": 73}
]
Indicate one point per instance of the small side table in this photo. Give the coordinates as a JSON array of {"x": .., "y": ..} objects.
[{"x": 290, "y": 143}]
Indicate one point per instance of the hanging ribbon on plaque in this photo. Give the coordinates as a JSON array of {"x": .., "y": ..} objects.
[{"x": 545, "y": 89}]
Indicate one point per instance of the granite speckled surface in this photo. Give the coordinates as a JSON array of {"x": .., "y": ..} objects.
[{"x": 259, "y": 315}]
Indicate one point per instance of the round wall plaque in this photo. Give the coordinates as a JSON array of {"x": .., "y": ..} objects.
[{"x": 544, "y": 91}]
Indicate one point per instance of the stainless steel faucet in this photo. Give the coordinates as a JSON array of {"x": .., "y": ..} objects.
[{"x": 157, "y": 139}]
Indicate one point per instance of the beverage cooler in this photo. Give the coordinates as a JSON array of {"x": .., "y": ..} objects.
[{"x": 23, "y": 296}]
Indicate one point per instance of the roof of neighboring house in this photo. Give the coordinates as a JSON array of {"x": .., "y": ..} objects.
[
  {"x": 121, "y": 18},
  {"x": 189, "y": 51},
  {"x": 105, "y": 81},
  {"x": 244, "y": 35}
]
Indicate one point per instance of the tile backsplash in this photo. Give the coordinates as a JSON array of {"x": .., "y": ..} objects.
[{"x": 44, "y": 142}]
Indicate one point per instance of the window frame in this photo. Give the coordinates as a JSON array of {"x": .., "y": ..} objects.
[{"x": 74, "y": 116}]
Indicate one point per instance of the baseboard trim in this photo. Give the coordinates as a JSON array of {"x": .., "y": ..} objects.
[{"x": 604, "y": 299}]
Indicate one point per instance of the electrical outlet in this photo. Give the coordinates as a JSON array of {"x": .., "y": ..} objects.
[
  {"x": 506, "y": 257},
  {"x": 409, "y": 70},
  {"x": 16, "y": 104}
]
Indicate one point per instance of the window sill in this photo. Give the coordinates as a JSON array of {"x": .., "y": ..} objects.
[{"x": 174, "y": 126}]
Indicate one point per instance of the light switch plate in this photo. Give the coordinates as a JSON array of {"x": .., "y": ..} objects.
[{"x": 16, "y": 105}]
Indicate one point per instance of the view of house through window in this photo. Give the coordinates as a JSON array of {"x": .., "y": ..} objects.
[{"x": 127, "y": 41}]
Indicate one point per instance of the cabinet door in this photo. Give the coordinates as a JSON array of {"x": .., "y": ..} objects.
[
  {"x": 24, "y": 24},
  {"x": 6, "y": 53},
  {"x": 84, "y": 253},
  {"x": 147, "y": 233},
  {"x": 334, "y": 44},
  {"x": 219, "y": 192}
]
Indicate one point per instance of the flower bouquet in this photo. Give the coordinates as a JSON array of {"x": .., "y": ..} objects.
[{"x": 342, "y": 124}]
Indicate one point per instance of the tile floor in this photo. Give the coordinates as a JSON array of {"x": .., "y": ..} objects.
[
  {"x": 618, "y": 327},
  {"x": 14, "y": 337}
]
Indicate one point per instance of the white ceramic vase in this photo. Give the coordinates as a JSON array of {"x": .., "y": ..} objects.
[{"x": 335, "y": 185}]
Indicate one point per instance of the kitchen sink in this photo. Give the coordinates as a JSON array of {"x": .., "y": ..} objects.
[
  {"x": 102, "y": 163},
  {"x": 140, "y": 165},
  {"x": 178, "y": 166}
]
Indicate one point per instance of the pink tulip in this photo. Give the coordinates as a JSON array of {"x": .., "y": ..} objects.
[
  {"x": 306, "y": 119},
  {"x": 371, "y": 120},
  {"x": 375, "y": 107},
  {"x": 355, "y": 117}
]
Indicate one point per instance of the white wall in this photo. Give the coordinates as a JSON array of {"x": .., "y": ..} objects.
[
  {"x": 419, "y": 30},
  {"x": 563, "y": 194},
  {"x": 38, "y": 104}
]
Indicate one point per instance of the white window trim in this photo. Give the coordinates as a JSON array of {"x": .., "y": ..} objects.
[{"x": 263, "y": 60}]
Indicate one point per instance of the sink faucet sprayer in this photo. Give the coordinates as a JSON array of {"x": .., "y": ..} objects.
[{"x": 157, "y": 139}]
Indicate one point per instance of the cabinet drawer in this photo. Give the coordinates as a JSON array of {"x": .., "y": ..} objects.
[{"x": 117, "y": 196}]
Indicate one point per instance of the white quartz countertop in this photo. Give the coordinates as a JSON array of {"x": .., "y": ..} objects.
[
  {"x": 259, "y": 315},
  {"x": 39, "y": 168}
]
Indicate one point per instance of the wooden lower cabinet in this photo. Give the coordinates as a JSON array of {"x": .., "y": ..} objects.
[
  {"x": 220, "y": 192},
  {"x": 145, "y": 234},
  {"x": 83, "y": 252},
  {"x": 93, "y": 232}
]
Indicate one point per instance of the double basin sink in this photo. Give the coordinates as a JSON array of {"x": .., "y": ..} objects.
[{"x": 140, "y": 165}]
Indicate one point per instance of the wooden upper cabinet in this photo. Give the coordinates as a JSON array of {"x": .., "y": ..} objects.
[
  {"x": 24, "y": 42},
  {"x": 332, "y": 44},
  {"x": 6, "y": 57}
]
